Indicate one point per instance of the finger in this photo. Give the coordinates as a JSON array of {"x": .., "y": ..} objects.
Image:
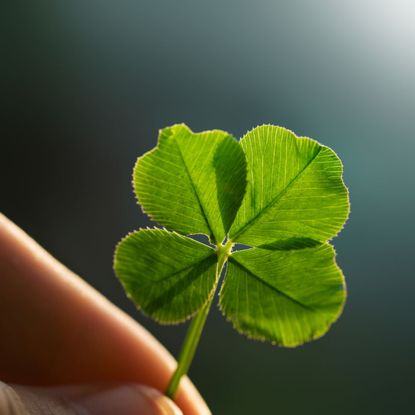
[
  {"x": 57, "y": 329},
  {"x": 128, "y": 399}
]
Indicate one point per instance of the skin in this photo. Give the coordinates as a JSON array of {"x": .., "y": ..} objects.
[{"x": 56, "y": 330}]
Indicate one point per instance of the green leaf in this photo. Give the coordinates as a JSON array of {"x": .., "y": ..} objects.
[
  {"x": 282, "y": 194},
  {"x": 167, "y": 275},
  {"x": 192, "y": 182},
  {"x": 287, "y": 297},
  {"x": 295, "y": 189}
]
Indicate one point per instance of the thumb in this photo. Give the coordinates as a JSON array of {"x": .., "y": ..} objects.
[{"x": 120, "y": 399}]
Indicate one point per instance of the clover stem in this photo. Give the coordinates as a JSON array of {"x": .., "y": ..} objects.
[
  {"x": 188, "y": 349},
  {"x": 195, "y": 329}
]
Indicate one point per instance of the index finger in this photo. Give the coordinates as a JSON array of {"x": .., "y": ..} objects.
[{"x": 57, "y": 329}]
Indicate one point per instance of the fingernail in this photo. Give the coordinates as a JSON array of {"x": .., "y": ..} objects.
[
  {"x": 10, "y": 402},
  {"x": 164, "y": 405},
  {"x": 126, "y": 400}
]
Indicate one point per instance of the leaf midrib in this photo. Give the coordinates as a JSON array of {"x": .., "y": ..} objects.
[
  {"x": 274, "y": 201},
  {"x": 205, "y": 217},
  {"x": 269, "y": 285},
  {"x": 199, "y": 260}
]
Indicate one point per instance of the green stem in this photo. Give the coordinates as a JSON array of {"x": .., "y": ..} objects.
[
  {"x": 196, "y": 327},
  {"x": 188, "y": 349}
]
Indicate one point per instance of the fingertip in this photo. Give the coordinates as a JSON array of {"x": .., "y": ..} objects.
[
  {"x": 130, "y": 353},
  {"x": 189, "y": 397}
]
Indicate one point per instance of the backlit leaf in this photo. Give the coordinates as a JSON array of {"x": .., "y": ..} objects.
[
  {"x": 192, "y": 182},
  {"x": 281, "y": 194},
  {"x": 287, "y": 297},
  {"x": 167, "y": 275},
  {"x": 295, "y": 189}
]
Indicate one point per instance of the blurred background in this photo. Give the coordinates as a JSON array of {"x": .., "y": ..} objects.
[{"x": 84, "y": 88}]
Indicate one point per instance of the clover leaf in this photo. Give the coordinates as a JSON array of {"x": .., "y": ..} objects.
[
  {"x": 192, "y": 183},
  {"x": 281, "y": 195}
]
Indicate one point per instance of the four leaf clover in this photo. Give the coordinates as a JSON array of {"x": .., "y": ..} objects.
[{"x": 280, "y": 195}]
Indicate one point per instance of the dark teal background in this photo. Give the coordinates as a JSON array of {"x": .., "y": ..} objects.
[{"x": 84, "y": 87}]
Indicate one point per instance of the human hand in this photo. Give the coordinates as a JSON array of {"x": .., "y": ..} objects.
[{"x": 78, "y": 352}]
